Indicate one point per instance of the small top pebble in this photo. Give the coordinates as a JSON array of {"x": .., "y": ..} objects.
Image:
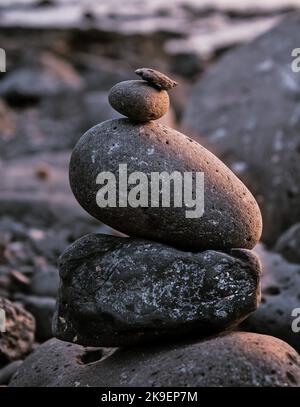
[{"x": 156, "y": 78}]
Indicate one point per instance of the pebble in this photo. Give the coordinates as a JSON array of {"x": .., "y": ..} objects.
[
  {"x": 8, "y": 371},
  {"x": 156, "y": 78},
  {"x": 138, "y": 100},
  {"x": 121, "y": 291},
  {"x": 236, "y": 359},
  {"x": 288, "y": 244}
]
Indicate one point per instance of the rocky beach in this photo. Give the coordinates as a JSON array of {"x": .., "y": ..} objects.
[{"x": 146, "y": 295}]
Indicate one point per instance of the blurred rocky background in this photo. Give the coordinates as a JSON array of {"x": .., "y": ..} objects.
[{"x": 237, "y": 95}]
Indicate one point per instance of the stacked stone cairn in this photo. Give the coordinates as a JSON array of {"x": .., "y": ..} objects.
[{"x": 171, "y": 276}]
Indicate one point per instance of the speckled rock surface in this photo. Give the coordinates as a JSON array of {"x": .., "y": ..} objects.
[
  {"x": 236, "y": 359},
  {"x": 138, "y": 100},
  {"x": 288, "y": 245},
  {"x": 246, "y": 110},
  {"x": 120, "y": 291},
  {"x": 231, "y": 216},
  {"x": 18, "y": 339},
  {"x": 280, "y": 296}
]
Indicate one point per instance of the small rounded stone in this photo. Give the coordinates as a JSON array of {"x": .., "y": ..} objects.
[
  {"x": 138, "y": 100},
  {"x": 156, "y": 78}
]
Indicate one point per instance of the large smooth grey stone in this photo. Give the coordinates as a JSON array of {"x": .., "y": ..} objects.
[
  {"x": 231, "y": 216},
  {"x": 120, "y": 291},
  {"x": 233, "y": 360}
]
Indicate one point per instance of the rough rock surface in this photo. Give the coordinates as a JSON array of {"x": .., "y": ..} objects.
[
  {"x": 236, "y": 359},
  {"x": 280, "y": 297},
  {"x": 231, "y": 216},
  {"x": 138, "y": 100},
  {"x": 120, "y": 291},
  {"x": 246, "y": 109},
  {"x": 18, "y": 339},
  {"x": 288, "y": 245},
  {"x": 156, "y": 78}
]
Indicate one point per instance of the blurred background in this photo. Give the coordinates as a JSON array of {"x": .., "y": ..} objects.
[{"x": 63, "y": 56}]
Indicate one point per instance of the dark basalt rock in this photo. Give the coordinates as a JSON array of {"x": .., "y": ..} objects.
[
  {"x": 138, "y": 100},
  {"x": 233, "y": 360},
  {"x": 121, "y": 291},
  {"x": 277, "y": 313},
  {"x": 288, "y": 245},
  {"x": 231, "y": 216},
  {"x": 246, "y": 110}
]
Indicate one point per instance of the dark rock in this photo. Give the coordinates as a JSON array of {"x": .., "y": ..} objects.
[
  {"x": 45, "y": 282},
  {"x": 280, "y": 298},
  {"x": 18, "y": 339},
  {"x": 234, "y": 360},
  {"x": 120, "y": 291},
  {"x": 8, "y": 371},
  {"x": 138, "y": 100},
  {"x": 231, "y": 217},
  {"x": 156, "y": 78},
  {"x": 42, "y": 308},
  {"x": 288, "y": 245},
  {"x": 246, "y": 109}
]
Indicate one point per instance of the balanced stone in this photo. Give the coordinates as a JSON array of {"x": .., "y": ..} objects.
[
  {"x": 156, "y": 78},
  {"x": 139, "y": 100},
  {"x": 231, "y": 217},
  {"x": 237, "y": 359},
  {"x": 121, "y": 291}
]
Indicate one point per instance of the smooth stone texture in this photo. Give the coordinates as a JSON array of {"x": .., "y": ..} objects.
[
  {"x": 231, "y": 218},
  {"x": 280, "y": 296},
  {"x": 120, "y": 291},
  {"x": 138, "y": 100},
  {"x": 18, "y": 339},
  {"x": 236, "y": 359},
  {"x": 288, "y": 245},
  {"x": 246, "y": 110},
  {"x": 8, "y": 371},
  {"x": 42, "y": 308},
  {"x": 156, "y": 78}
]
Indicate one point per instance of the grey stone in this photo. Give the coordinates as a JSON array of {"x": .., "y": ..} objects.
[
  {"x": 138, "y": 100},
  {"x": 246, "y": 110},
  {"x": 18, "y": 339},
  {"x": 45, "y": 282},
  {"x": 288, "y": 244},
  {"x": 8, "y": 371},
  {"x": 42, "y": 308},
  {"x": 280, "y": 297},
  {"x": 156, "y": 78},
  {"x": 121, "y": 291},
  {"x": 237, "y": 359},
  {"x": 231, "y": 216}
]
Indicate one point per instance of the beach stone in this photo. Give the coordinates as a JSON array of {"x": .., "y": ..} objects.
[
  {"x": 279, "y": 309},
  {"x": 246, "y": 110},
  {"x": 156, "y": 78},
  {"x": 120, "y": 291},
  {"x": 8, "y": 371},
  {"x": 288, "y": 244},
  {"x": 231, "y": 216},
  {"x": 138, "y": 100},
  {"x": 42, "y": 308},
  {"x": 45, "y": 282},
  {"x": 18, "y": 339},
  {"x": 236, "y": 359}
]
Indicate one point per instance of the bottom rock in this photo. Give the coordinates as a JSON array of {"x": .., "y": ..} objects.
[
  {"x": 121, "y": 291},
  {"x": 235, "y": 359}
]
